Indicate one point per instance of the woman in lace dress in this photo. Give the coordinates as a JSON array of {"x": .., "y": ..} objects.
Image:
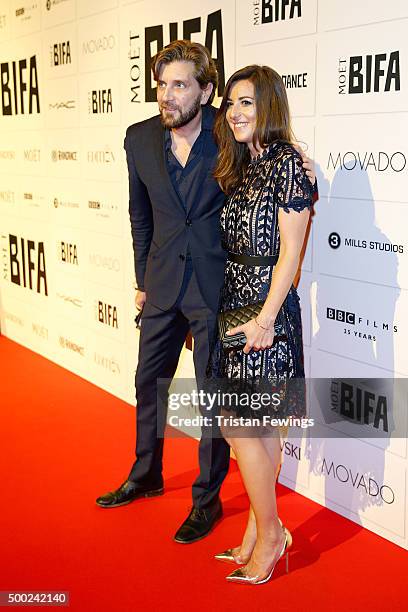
[{"x": 263, "y": 223}]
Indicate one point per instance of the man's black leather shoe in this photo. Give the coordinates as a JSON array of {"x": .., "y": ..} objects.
[
  {"x": 128, "y": 492},
  {"x": 198, "y": 524}
]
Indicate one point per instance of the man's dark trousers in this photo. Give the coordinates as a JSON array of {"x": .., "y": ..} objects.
[{"x": 162, "y": 337}]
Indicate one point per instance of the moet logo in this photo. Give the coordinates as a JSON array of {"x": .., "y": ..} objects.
[
  {"x": 370, "y": 73},
  {"x": 16, "y": 91},
  {"x": 27, "y": 270}
]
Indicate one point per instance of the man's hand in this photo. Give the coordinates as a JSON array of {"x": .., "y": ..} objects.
[
  {"x": 308, "y": 164},
  {"x": 140, "y": 299}
]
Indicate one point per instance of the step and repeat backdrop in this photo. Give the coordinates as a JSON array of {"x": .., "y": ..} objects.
[{"x": 75, "y": 74}]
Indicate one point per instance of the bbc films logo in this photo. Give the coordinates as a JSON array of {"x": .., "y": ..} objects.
[
  {"x": 100, "y": 101},
  {"x": 364, "y": 161},
  {"x": 60, "y": 54},
  {"x": 25, "y": 13},
  {"x": 32, "y": 199},
  {"x": 360, "y": 327},
  {"x": 269, "y": 11},
  {"x": 335, "y": 241},
  {"x": 153, "y": 39},
  {"x": 25, "y": 265},
  {"x": 361, "y": 74},
  {"x": 20, "y": 93},
  {"x": 99, "y": 45},
  {"x": 102, "y": 209}
]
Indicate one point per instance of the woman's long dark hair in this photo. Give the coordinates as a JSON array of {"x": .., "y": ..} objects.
[{"x": 272, "y": 123}]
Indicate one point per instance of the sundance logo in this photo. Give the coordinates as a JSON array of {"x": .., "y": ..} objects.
[
  {"x": 360, "y": 482},
  {"x": 361, "y": 74},
  {"x": 58, "y": 156},
  {"x": 71, "y": 346}
]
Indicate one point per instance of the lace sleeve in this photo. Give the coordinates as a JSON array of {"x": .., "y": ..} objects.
[{"x": 293, "y": 190}]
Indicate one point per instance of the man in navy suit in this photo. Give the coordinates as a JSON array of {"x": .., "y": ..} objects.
[{"x": 174, "y": 207}]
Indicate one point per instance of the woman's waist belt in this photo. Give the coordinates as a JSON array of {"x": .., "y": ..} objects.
[{"x": 253, "y": 260}]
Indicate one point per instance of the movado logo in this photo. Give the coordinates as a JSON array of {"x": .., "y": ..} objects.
[
  {"x": 94, "y": 45},
  {"x": 27, "y": 264},
  {"x": 60, "y": 53},
  {"x": 19, "y": 87},
  {"x": 361, "y": 74},
  {"x": 361, "y": 482},
  {"x": 154, "y": 42},
  {"x": 378, "y": 161},
  {"x": 268, "y": 11},
  {"x": 100, "y": 101}
]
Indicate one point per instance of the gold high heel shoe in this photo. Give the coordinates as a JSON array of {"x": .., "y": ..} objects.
[
  {"x": 228, "y": 556},
  {"x": 240, "y": 576}
]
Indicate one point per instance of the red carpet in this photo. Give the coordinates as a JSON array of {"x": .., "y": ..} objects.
[{"x": 64, "y": 442}]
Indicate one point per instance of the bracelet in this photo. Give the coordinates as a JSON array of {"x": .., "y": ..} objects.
[{"x": 261, "y": 326}]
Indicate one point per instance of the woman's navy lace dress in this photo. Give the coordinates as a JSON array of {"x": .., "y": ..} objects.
[{"x": 249, "y": 224}]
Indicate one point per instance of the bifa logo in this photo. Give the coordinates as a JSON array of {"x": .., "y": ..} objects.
[
  {"x": 60, "y": 53},
  {"x": 68, "y": 253},
  {"x": 378, "y": 73},
  {"x": 107, "y": 314},
  {"x": 210, "y": 27},
  {"x": 19, "y": 87},
  {"x": 100, "y": 101},
  {"x": 27, "y": 264},
  {"x": 268, "y": 11}
]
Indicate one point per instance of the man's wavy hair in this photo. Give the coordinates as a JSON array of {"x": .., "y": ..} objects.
[
  {"x": 205, "y": 70},
  {"x": 272, "y": 123}
]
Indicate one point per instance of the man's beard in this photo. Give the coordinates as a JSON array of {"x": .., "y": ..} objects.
[{"x": 183, "y": 117}]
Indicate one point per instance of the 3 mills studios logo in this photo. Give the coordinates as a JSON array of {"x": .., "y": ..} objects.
[
  {"x": 269, "y": 11},
  {"x": 336, "y": 241},
  {"x": 19, "y": 87},
  {"x": 361, "y": 74},
  {"x": 23, "y": 263},
  {"x": 153, "y": 38}
]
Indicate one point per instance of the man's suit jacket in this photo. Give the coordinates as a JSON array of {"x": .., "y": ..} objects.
[{"x": 162, "y": 229}]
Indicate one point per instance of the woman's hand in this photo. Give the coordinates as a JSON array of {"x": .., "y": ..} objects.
[
  {"x": 308, "y": 164},
  {"x": 257, "y": 337}
]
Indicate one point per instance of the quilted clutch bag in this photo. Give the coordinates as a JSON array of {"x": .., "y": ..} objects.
[{"x": 238, "y": 316}]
